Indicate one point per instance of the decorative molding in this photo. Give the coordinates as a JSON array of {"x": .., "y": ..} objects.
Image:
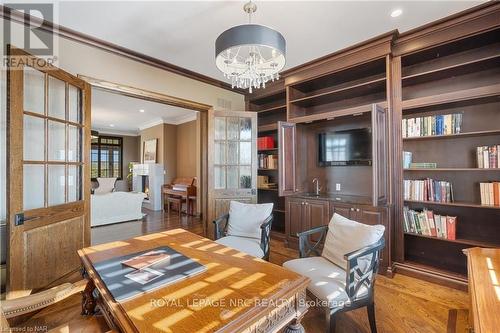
[
  {"x": 107, "y": 131},
  {"x": 22, "y": 18}
]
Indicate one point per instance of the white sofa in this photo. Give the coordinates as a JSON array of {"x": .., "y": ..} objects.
[{"x": 116, "y": 207}]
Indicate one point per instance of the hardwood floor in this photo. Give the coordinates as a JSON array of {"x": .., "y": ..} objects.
[{"x": 403, "y": 304}]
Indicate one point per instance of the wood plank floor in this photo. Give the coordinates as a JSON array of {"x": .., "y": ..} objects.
[{"x": 403, "y": 304}]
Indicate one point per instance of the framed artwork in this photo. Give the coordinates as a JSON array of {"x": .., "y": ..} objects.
[{"x": 149, "y": 151}]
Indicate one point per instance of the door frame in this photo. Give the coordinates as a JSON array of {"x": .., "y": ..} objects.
[{"x": 161, "y": 98}]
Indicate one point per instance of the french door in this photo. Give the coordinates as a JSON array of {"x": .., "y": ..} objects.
[
  {"x": 232, "y": 161},
  {"x": 48, "y": 186}
]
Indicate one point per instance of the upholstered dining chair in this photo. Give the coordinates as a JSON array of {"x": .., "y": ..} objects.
[
  {"x": 247, "y": 228},
  {"x": 343, "y": 274}
]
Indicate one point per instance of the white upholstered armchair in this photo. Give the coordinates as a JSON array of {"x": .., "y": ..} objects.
[
  {"x": 247, "y": 228},
  {"x": 342, "y": 275}
]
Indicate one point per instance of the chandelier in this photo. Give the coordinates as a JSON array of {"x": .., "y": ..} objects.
[{"x": 250, "y": 54}]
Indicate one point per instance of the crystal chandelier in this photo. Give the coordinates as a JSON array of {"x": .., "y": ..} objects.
[{"x": 250, "y": 54}]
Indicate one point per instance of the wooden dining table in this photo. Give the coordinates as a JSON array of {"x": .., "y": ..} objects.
[{"x": 236, "y": 292}]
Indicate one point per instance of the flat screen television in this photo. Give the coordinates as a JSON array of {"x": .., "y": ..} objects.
[{"x": 349, "y": 147}]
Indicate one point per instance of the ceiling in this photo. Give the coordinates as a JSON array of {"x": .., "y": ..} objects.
[
  {"x": 117, "y": 114},
  {"x": 184, "y": 32}
]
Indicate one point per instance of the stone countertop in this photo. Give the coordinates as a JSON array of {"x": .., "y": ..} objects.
[{"x": 340, "y": 198}]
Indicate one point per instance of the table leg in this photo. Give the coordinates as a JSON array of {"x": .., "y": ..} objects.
[
  {"x": 88, "y": 300},
  {"x": 295, "y": 327}
]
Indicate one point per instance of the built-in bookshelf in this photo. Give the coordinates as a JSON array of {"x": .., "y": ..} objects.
[
  {"x": 461, "y": 78},
  {"x": 270, "y": 104},
  {"x": 345, "y": 92}
]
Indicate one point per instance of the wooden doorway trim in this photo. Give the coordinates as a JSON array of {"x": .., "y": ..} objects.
[{"x": 172, "y": 101}]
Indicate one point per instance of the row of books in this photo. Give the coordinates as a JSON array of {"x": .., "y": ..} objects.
[
  {"x": 488, "y": 157},
  {"x": 490, "y": 193},
  {"x": 428, "y": 190},
  {"x": 429, "y": 224},
  {"x": 432, "y": 125},
  {"x": 267, "y": 161}
]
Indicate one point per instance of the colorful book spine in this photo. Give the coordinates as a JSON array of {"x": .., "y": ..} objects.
[
  {"x": 428, "y": 190},
  {"x": 488, "y": 157},
  {"x": 447, "y": 124},
  {"x": 490, "y": 193},
  {"x": 427, "y": 223}
]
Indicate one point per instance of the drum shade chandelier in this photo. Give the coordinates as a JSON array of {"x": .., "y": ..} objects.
[{"x": 250, "y": 54}]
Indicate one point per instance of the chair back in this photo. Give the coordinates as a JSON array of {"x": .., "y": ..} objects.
[{"x": 357, "y": 277}]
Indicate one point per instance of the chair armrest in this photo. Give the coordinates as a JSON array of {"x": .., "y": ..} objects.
[
  {"x": 305, "y": 247},
  {"x": 355, "y": 277},
  {"x": 354, "y": 255},
  {"x": 220, "y": 226},
  {"x": 265, "y": 235}
]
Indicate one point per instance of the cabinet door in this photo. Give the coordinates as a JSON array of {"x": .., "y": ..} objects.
[
  {"x": 294, "y": 216},
  {"x": 316, "y": 215},
  {"x": 287, "y": 136},
  {"x": 342, "y": 209},
  {"x": 380, "y": 155}
]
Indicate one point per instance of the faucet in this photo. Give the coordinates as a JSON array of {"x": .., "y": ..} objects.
[{"x": 317, "y": 187}]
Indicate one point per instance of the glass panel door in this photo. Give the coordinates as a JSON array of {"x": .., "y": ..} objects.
[
  {"x": 233, "y": 153},
  {"x": 52, "y": 141}
]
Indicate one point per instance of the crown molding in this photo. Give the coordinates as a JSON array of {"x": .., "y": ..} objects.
[{"x": 64, "y": 32}]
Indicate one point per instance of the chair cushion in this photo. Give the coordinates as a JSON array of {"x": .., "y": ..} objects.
[
  {"x": 345, "y": 236},
  {"x": 245, "y": 219},
  {"x": 106, "y": 185},
  {"x": 328, "y": 281},
  {"x": 250, "y": 246}
]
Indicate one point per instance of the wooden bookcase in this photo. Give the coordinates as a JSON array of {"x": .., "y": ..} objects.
[
  {"x": 463, "y": 77},
  {"x": 270, "y": 104}
]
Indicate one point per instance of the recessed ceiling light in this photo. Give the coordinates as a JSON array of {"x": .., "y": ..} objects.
[
  {"x": 141, "y": 110},
  {"x": 111, "y": 125},
  {"x": 396, "y": 12}
]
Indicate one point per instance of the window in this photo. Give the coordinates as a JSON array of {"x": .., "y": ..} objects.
[{"x": 106, "y": 157}]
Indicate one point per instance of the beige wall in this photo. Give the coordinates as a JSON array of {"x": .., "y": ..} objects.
[
  {"x": 166, "y": 150},
  {"x": 155, "y": 132},
  {"x": 170, "y": 152},
  {"x": 186, "y": 149}
]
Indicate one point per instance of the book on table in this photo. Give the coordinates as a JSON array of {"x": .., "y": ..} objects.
[{"x": 158, "y": 267}]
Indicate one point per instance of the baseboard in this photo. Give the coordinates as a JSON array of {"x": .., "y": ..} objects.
[{"x": 429, "y": 275}]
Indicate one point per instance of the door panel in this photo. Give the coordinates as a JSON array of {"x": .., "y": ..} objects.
[
  {"x": 48, "y": 176},
  {"x": 232, "y": 161},
  {"x": 380, "y": 155},
  {"x": 342, "y": 209},
  {"x": 294, "y": 216},
  {"x": 317, "y": 212},
  {"x": 286, "y": 158}
]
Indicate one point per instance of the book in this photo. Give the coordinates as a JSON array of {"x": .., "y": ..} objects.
[
  {"x": 146, "y": 259},
  {"x": 423, "y": 165},
  {"x": 407, "y": 158},
  {"x": 432, "y": 225},
  {"x": 488, "y": 157},
  {"x": 451, "y": 227}
]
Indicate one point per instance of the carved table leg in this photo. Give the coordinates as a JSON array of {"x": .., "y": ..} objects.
[
  {"x": 295, "y": 327},
  {"x": 88, "y": 300}
]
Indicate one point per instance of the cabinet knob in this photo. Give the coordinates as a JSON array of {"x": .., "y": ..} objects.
[
  {"x": 357, "y": 209},
  {"x": 352, "y": 209}
]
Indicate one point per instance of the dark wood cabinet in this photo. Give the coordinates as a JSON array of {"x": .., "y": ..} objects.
[{"x": 303, "y": 214}]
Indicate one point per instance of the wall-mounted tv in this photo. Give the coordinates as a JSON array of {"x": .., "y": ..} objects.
[{"x": 349, "y": 147}]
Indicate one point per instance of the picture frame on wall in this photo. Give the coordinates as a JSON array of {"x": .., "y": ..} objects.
[{"x": 149, "y": 151}]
